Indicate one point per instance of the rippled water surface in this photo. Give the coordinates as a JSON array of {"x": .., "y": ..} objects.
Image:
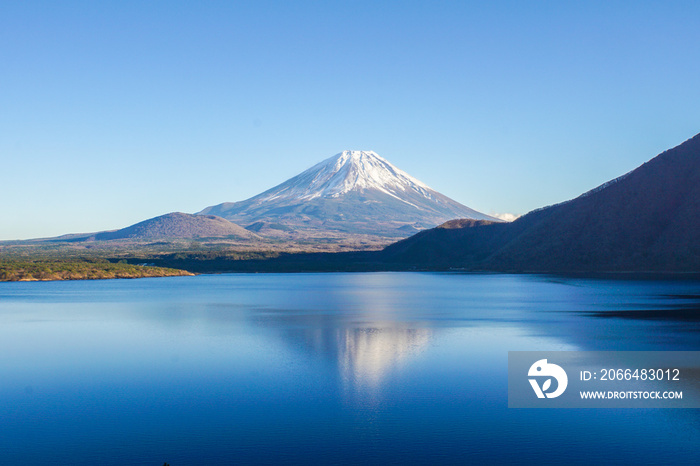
[{"x": 325, "y": 368}]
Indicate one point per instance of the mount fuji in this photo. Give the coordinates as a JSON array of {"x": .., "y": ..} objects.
[{"x": 354, "y": 192}]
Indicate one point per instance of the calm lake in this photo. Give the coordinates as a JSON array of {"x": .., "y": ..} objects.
[{"x": 375, "y": 368}]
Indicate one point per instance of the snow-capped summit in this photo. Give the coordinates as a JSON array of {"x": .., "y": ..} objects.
[
  {"x": 352, "y": 192},
  {"x": 351, "y": 170}
]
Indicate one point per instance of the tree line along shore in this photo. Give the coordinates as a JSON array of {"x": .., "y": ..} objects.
[{"x": 57, "y": 269}]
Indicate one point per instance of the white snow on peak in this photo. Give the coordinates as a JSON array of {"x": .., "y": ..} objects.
[{"x": 351, "y": 170}]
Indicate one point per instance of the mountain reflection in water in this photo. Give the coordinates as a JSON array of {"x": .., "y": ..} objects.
[
  {"x": 367, "y": 354},
  {"x": 363, "y": 352}
]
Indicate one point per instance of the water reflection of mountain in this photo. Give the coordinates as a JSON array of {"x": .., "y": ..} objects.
[
  {"x": 367, "y": 354},
  {"x": 364, "y": 352}
]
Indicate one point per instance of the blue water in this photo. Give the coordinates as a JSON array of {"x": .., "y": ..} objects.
[{"x": 385, "y": 368}]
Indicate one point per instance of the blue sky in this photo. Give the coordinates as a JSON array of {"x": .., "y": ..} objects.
[{"x": 114, "y": 112}]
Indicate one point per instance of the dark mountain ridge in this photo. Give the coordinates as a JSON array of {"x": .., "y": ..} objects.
[{"x": 646, "y": 220}]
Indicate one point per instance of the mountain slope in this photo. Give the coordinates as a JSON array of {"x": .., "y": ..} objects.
[
  {"x": 179, "y": 225},
  {"x": 352, "y": 192},
  {"x": 647, "y": 220}
]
